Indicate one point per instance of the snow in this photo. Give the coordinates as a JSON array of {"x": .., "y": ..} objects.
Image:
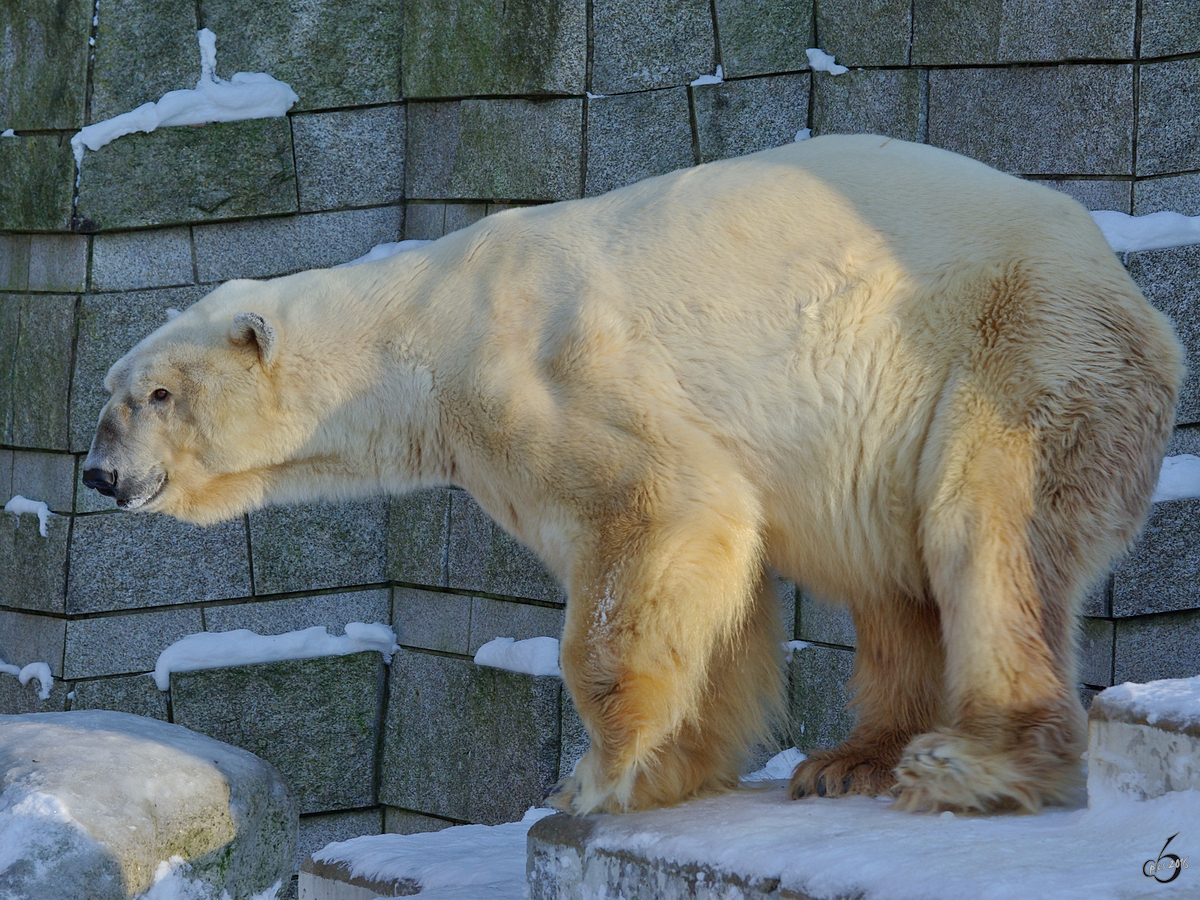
[
  {"x": 820, "y": 61},
  {"x": 247, "y": 95},
  {"x": 26, "y": 674},
  {"x": 173, "y": 880},
  {"x": 1175, "y": 700},
  {"x": 383, "y": 251},
  {"x": 1155, "y": 231},
  {"x": 718, "y": 78},
  {"x": 18, "y": 505},
  {"x": 466, "y": 862},
  {"x": 8, "y": 132},
  {"x": 535, "y": 656},
  {"x": 790, "y": 648},
  {"x": 1179, "y": 478},
  {"x": 778, "y": 768},
  {"x": 803, "y": 134},
  {"x": 214, "y": 650}
]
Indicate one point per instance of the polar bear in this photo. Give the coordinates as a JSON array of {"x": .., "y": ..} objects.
[{"x": 913, "y": 384}]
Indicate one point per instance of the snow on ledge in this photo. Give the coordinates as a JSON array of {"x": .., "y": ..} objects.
[
  {"x": 1173, "y": 700},
  {"x": 535, "y": 656},
  {"x": 1157, "y": 231},
  {"x": 718, "y": 78},
  {"x": 215, "y": 650},
  {"x": 1179, "y": 478},
  {"x": 26, "y": 674},
  {"x": 383, "y": 251},
  {"x": 820, "y": 61},
  {"x": 18, "y": 505}
]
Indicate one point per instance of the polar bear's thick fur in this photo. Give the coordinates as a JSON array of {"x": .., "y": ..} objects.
[{"x": 911, "y": 383}]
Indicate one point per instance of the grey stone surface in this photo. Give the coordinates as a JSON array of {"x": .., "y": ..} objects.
[
  {"x": 1186, "y": 439},
  {"x": 641, "y": 44},
  {"x": 635, "y": 136},
  {"x": 418, "y": 534},
  {"x": 57, "y": 262},
  {"x": 142, "y": 259},
  {"x": 1160, "y": 574},
  {"x": 324, "y": 828},
  {"x": 109, "y": 325},
  {"x": 468, "y": 742},
  {"x": 1177, "y": 193},
  {"x": 1152, "y": 647},
  {"x": 1096, "y": 643},
  {"x": 1048, "y": 120},
  {"x": 332, "y": 611},
  {"x": 465, "y": 48},
  {"x": 127, "y": 561},
  {"x": 818, "y": 695},
  {"x": 17, "y": 699},
  {"x": 143, "y": 791},
  {"x": 1170, "y": 27},
  {"x": 14, "y": 262},
  {"x": 10, "y": 331},
  {"x": 990, "y": 31},
  {"x": 38, "y": 173},
  {"x": 432, "y": 620},
  {"x": 826, "y": 623},
  {"x": 482, "y": 557},
  {"x": 501, "y": 618},
  {"x": 329, "y": 764},
  {"x": 39, "y": 374},
  {"x": 144, "y": 48},
  {"x": 1168, "y": 130},
  {"x": 1168, "y": 279},
  {"x": 331, "y": 52},
  {"x": 267, "y": 247},
  {"x": 43, "y": 69},
  {"x": 26, "y": 638},
  {"x": 405, "y": 821},
  {"x": 1098, "y": 600},
  {"x": 49, "y": 477},
  {"x": 424, "y": 221},
  {"x": 1104, "y": 193},
  {"x": 223, "y": 170},
  {"x": 460, "y": 215},
  {"x": 33, "y": 569},
  {"x": 319, "y": 545},
  {"x": 574, "y": 740},
  {"x": 869, "y": 101},
  {"x": 865, "y": 32},
  {"x": 137, "y": 695},
  {"x": 120, "y": 645},
  {"x": 740, "y": 117},
  {"x": 502, "y": 149},
  {"x": 762, "y": 36},
  {"x": 350, "y": 157}
]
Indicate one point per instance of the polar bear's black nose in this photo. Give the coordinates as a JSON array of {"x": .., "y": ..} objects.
[{"x": 101, "y": 480}]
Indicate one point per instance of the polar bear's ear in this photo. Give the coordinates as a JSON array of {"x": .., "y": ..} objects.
[{"x": 251, "y": 328}]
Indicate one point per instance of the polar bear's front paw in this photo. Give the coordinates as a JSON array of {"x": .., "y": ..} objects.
[
  {"x": 942, "y": 770},
  {"x": 581, "y": 792},
  {"x": 849, "y": 769}
]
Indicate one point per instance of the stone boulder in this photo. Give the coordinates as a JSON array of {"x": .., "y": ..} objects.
[{"x": 108, "y": 805}]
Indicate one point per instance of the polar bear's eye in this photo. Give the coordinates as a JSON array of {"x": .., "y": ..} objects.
[{"x": 161, "y": 394}]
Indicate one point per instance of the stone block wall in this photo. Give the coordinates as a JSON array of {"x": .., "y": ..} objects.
[{"x": 414, "y": 120}]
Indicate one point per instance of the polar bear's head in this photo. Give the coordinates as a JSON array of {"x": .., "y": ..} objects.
[{"x": 182, "y": 432}]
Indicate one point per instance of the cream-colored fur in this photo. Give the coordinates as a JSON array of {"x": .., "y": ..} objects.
[{"x": 911, "y": 383}]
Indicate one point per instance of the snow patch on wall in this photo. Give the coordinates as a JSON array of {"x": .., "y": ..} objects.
[
  {"x": 18, "y": 505},
  {"x": 535, "y": 656}
]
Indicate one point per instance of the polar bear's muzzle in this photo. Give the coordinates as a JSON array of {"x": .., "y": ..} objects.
[{"x": 129, "y": 492}]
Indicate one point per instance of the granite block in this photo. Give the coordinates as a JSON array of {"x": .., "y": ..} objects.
[
  {"x": 405, "y": 821},
  {"x": 40, "y": 377},
  {"x": 1084, "y": 117},
  {"x": 329, "y": 764},
  {"x": 418, "y": 535},
  {"x": 460, "y": 215},
  {"x": 635, "y": 136},
  {"x": 6, "y": 472},
  {"x": 491, "y": 619},
  {"x": 424, "y": 221},
  {"x": 144, "y": 48},
  {"x": 43, "y": 69},
  {"x": 1168, "y": 279},
  {"x": 1096, "y": 642},
  {"x": 135, "y": 260},
  {"x": 642, "y": 44},
  {"x": 825, "y": 623},
  {"x": 265, "y": 248},
  {"x": 109, "y": 325},
  {"x": 223, "y": 170},
  {"x": 817, "y": 696},
  {"x": 1186, "y": 439},
  {"x": 137, "y": 695},
  {"x": 33, "y": 569},
  {"x": 1104, "y": 193},
  {"x": 58, "y": 262},
  {"x": 357, "y": 44},
  {"x": 947, "y": 32},
  {"x": 1175, "y": 193},
  {"x": 870, "y": 101},
  {"x": 332, "y": 611},
  {"x": 131, "y": 561},
  {"x": 758, "y": 37},
  {"x": 574, "y": 741},
  {"x": 14, "y": 262},
  {"x": 17, "y": 699},
  {"x": 10, "y": 331},
  {"x": 468, "y": 742},
  {"x": 739, "y": 117},
  {"x": 26, "y": 639},
  {"x": 432, "y": 620},
  {"x": 788, "y": 596},
  {"x": 1152, "y": 647},
  {"x": 1159, "y": 575},
  {"x": 1168, "y": 129},
  {"x": 456, "y": 48},
  {"x": 1170, "y": 27},
  {"x": 501, "y": 149},
  {"x": 320, "y": 829},
  {"x": 865, "y": 32},
  {"x": 123, "y": 645},
  {"x": 350, "y": 157},
  {"x": 1098, "y": 600},
  {"x": 482, "y": 557},
  {"x": 317, "y": 545},
  {"x": 49, "y": 477},
  {"x": 38, "y": 173}
]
